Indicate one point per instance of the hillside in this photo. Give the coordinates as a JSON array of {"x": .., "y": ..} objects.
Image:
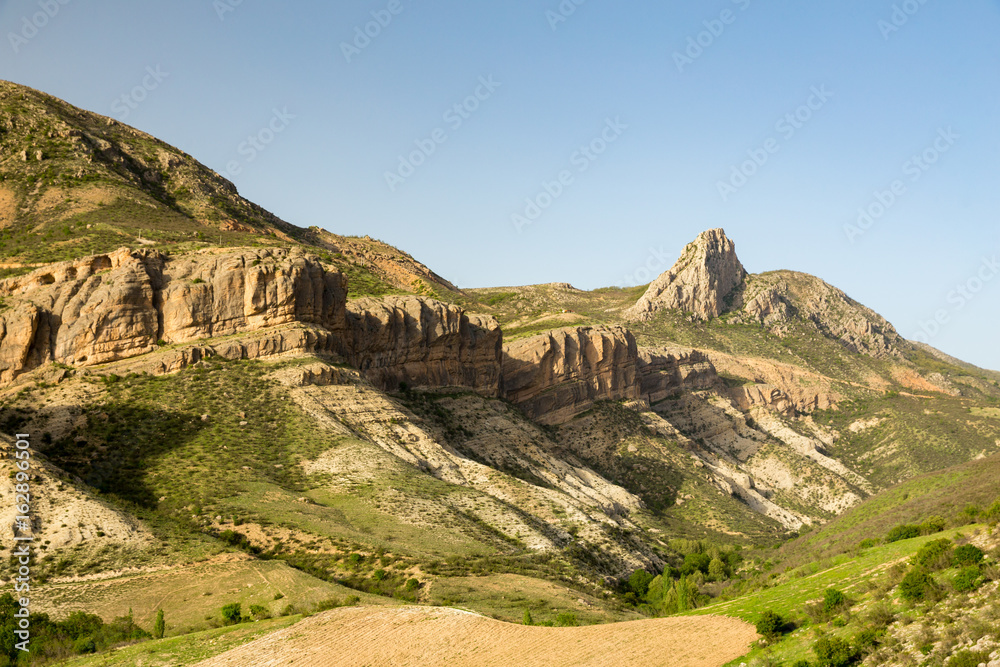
[{"x": 314, "y": 421}]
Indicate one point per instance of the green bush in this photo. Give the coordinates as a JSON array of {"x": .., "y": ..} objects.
[
  {"x": 696, "y": 563},
  {"x": 969, "y": 659},
  {"x": 566, "y": 620},
  {"x": 833, "y": 600},
  {"x": 85, "y": 645},
  {"x": 916, "y": 585},
  {"x": 968, "y": 554},
  {"x": 903, "y": 532},
  {"x": 935, "y": 555},
  {"x": 526, "y": 619},
  {"x": 231, "y": 613},
  {"x": 834, "y": 652},
  {"x": 967, "y": 579},
  {"x": 770, "y": 625},
  {"x": 259, "y": 611}
]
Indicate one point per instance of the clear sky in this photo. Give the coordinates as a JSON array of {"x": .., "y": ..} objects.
[{"x": 630, "y": 125}]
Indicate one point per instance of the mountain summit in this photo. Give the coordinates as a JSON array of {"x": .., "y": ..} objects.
[{"x": 707, "y": 272}]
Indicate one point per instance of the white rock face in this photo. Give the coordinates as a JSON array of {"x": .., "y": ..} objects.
[{"x": 707, "y": 272}]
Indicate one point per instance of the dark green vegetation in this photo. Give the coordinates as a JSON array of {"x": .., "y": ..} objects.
[{"x": 56, "y": 640}]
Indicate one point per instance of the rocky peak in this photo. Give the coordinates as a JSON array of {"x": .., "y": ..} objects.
[{"x": 699, "y": 282}]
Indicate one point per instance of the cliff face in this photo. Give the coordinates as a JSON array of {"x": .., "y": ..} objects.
[
  {"x": 120, "y": 305},
  {"x": 664, "y": 372},
  {"x": 423, "y": 343},
  {"x": 699, "y": 282},
  {"x": 115, "y": 306},
  {"x": 557, "y": 375}
]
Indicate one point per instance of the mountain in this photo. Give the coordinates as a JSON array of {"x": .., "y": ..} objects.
[{"x": 213, "y": 389}]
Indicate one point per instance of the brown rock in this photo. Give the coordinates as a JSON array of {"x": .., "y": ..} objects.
[
  {"x": 665, "y": 372},
  {"x": 557, "y": 375},
  {"x": 424, "y": 343}
]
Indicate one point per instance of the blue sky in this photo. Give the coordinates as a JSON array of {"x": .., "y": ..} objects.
[{"x": 664, "y": 121}]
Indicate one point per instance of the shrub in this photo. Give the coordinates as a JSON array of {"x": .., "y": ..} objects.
[
  {"x": 933, "y": 524},
  {"x": 867, "y": 641},
  {"x": 903, "y": 532},
  {"x": 259, "y": 611},
  {"x": 566, "y": 620},
  {"x": 85, "y": 645},
  {"x": 412, "y": 585},
  {"x": 160, "y": 626},
  {"x": 526, "y": 619},
  {"x": 717, "y": 569},
  {"x": 833, "y": 600},
  {"x": 968, "y": 554},
  {"x": 867, "y": 543},
  {"x": 834, "y": 652},
  {"x": 231, "y": 613},
  {"x": 770, "y": 625},
  {"x": 969, "y": 659},
  {"x": 935, "y": 555},
  {"x": 915, "y": 585},
  {"x": 967, "y": 579}
]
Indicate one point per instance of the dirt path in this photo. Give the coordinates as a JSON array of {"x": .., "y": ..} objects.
[{"x": 430, "y": 636}]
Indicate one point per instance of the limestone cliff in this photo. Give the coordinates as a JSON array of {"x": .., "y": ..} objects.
[
  {"x": 664, "y": 372},
  {"x": 119, "y": 305},
  {"x": 423, "y": 343},
  {"x": 559, "y": 374},
  {"x": 699, "y": 282}
]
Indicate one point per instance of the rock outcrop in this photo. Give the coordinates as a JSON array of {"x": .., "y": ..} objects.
[
  {"x": 700, "y": 281},
  {"x": 664, "y": 372},
  {"x": 119, "y": 305},
  {"x": 423, "y": 343},
  {"x": 557, "y": 375}
]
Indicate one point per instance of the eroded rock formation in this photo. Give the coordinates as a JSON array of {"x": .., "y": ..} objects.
[
  {"x": 700, "y": 281},
  {"x": 559, "y": 374}
]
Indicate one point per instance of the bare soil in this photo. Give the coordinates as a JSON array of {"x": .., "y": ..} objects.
[{"x": 439, "y": 636}]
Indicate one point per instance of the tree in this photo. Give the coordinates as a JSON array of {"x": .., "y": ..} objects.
[
  {"x": 639, "y": 582},
  {"x": 717, "y": 569},
  {"x": 833, "y": 600},
  {"x": 160, "y": 626}
]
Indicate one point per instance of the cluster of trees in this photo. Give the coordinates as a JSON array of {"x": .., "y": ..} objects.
[
  {"x": 680, "y": 588},
  {"x": 79, "y": 633}
]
